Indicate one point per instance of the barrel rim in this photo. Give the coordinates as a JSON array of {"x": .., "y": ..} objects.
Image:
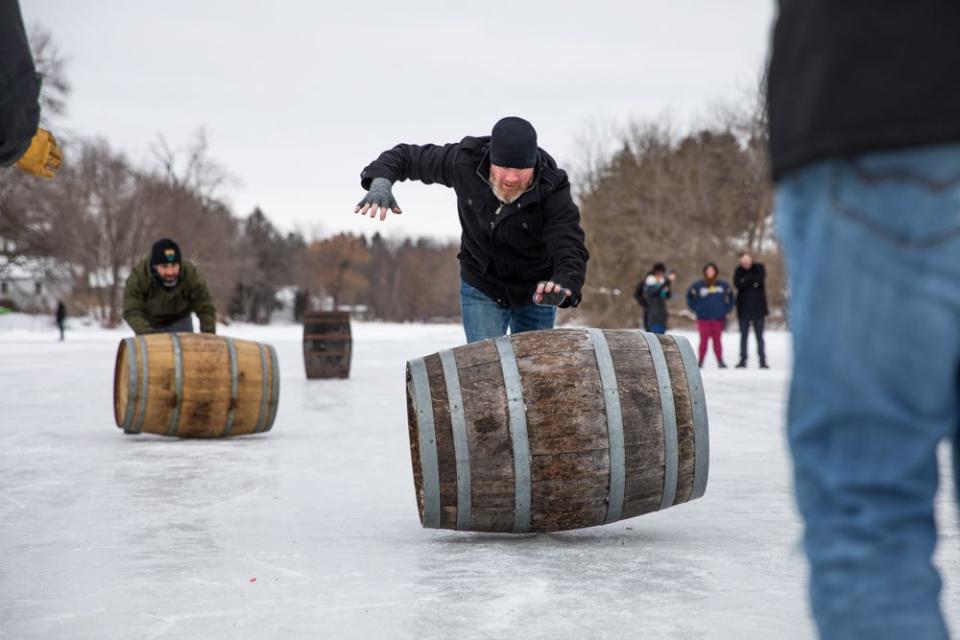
[
  {"x": 326, "y": 314},
  {"x": 274, "y": 387},
  {"x": 121, "y": 350},
  {"x": 413, "y": 429}
]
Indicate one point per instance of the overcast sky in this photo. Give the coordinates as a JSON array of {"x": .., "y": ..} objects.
[{"x": 298, "y": 96}]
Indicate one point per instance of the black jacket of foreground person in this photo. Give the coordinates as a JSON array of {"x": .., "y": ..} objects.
[
  {"x": 852, "y": 76},
  {"x": 19, "y": 86},
  {"x": 505, "y": 250}
]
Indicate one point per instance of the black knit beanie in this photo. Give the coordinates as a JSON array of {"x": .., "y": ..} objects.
[
  {"x": 165, "y": 251},
  {"x": 513, "y": 144}
]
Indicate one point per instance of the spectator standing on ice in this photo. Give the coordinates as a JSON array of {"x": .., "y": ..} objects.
[
  {"x": 711, "y": 299},
  {"x": 163, "y": 290},
  {"x": 865, "y": 152},
  {"x": 656, "y": 291},
  {"x": 22, "y": 141},
  {"x": 750, "y": 278},
  {"x": 642, "y": 301},
  {"x": 61, "y": 317},
  {"x": 522, "y": 250}
]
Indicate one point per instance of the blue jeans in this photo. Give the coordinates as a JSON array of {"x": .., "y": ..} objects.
[
  {"x": 483, "y": 318},
  {"x": 872, "y": 247}
]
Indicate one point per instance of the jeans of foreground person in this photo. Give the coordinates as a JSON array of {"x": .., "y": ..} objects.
[
  {"x": 483, "y": 318},
  {"x": 873, "y": 252}
]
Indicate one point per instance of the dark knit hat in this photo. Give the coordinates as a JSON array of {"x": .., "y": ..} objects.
[
  {"x": 513, "y": 144},
  {"x": 659, "y": 267},
  {"x": 165, "y": 251}
]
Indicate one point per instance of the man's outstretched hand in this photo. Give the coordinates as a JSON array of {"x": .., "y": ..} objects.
[
  {"x": 551, "y": 294},
  {"x": 379, "y": 199}
]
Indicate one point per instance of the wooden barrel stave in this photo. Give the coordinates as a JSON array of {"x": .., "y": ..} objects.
[
  {"x": 684, "y": 412},
  {"x": 488, "y": 438},
  {"x": 570, "y": 462},
  {"x": 196, "y": 385},
  {"x": 643, "y": 445}
]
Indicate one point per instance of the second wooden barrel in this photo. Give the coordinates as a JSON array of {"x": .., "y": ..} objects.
[
  {"x": 554, "y": 430},
  {"x": 327, "y": 344},
  {"x": 193, "y": 385}
]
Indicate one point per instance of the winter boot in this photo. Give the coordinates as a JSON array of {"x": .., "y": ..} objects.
[
  {"x": 742, "y": 364},
  {"x": 721, "y": 365},
  {"x": 763, "y": 364}
]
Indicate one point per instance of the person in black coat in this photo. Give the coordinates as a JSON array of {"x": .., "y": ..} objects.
[
  {"x": 22, "y": 141},
  {"x": 652, "y": 294},
  {"x": 61, "y": 317},
  {"x": 750, "y": 282},
  {"x": 522, "y": 250}
]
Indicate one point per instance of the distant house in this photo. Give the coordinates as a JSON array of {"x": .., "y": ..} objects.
[{"x": 33, "y": 285}]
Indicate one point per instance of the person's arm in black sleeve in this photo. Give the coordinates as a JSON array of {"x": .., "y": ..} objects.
[
  {"x": 565, "y": 242},
  {"x": 19, "y": 86},
  {"x": 427, "y": 163}
]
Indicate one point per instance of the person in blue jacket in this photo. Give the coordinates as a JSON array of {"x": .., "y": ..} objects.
[{"x": 711, "y": 299}]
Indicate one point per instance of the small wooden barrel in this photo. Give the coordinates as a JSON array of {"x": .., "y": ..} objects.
[
  {"x": 195, "y": 385},
  {"x": 554, "y": 430},
  {"x": 327, "y": 344}
]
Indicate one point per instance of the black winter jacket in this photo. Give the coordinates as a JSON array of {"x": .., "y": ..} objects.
[
  {"x": 853, "y": 76},
  {"x": 505, "y": 249},
  {"x": 19, "y": 86},
  {"x": 751, "y": 291}
]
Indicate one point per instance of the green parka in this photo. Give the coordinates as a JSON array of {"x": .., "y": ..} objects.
[{"x": 148, "y": 304}]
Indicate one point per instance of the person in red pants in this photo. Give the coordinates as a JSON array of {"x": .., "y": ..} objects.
[{"x": 711, "y": 299}]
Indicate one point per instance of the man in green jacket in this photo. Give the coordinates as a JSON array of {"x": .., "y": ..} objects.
[{"x": 163, "y": 290}]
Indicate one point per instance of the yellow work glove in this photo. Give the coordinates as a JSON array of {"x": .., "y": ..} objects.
[{"x": 44, "y": 156}]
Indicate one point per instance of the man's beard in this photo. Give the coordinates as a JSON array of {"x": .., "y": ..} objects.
[
  {"x": 170, "y": 284},
  {"x": 501, "y": 196}
]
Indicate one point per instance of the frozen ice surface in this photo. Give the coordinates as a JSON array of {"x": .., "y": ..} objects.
[{"x": 104, "y": 535}]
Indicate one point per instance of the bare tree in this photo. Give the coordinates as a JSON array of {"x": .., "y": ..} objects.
[
  {"x": 52, "y": 66},
  {"x": 338, "y": 266}
]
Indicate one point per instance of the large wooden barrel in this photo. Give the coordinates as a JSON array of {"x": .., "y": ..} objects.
[
  {"x": 195, "y": 385},
  {"x": 554, "y": 430},
  {"x": 327, "y": 344}
]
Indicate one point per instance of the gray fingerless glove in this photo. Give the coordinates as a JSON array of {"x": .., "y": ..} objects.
[{"x": 380, "y": 195}]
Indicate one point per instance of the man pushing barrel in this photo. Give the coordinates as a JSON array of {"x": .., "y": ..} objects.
[
  {"x": 163, "y": 290},
  {"x": 522, "y": 251}
]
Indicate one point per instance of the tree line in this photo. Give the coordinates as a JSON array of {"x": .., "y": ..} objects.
[
  {"x": 103, "y": 211},
  {"x": 682, "y": 199},
  {"x": 653, "y": 196}
]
